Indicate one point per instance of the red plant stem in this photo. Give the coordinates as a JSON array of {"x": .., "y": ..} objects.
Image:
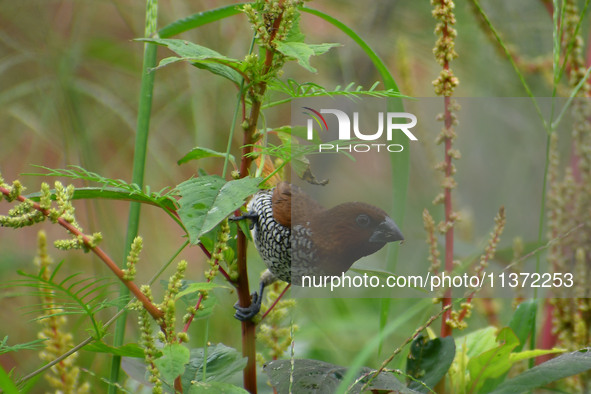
[
  {"x": 222, "y": 270},
  {"x": 549, "y": 7},
  {"x": 224, "y": 273},
  {"x": 197, "y": 305},
  {"x": 275, "y": 302},
  {"x": 156, "y": 313},
  {"x": 446, "y": 301},
  {"x": 200, "y": 299},
  {"x": 446, "y": 329},
  {"x": 547, "y": 338},
  {"x": 178, "y": 385},
  {"x": 204, "y": 249}
]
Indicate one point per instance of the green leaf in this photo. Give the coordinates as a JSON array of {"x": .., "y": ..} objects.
[
  {"x": 168, "y": 61},
  {"x": 206, "y": 201},
  {"x": 295, "y": 33},
  {"x": 222, "y": 363},
  {"x": 199, "y": 153},
  {"x": 494, "y": 362},
  {"x": 173, "y": 360},
  {"x": 87, "y": 294},
  {"x": 515, "y": 357},
  {"x": 310, "y": 89},
  {"x": 209, "y": 239},
  {"x": 127, "y": 350},
  {"x": 112, "y": 193},
  {"x": 314, "y": 376},
  {"x": 245, "y": 228},
  {"x": 557, "y": 368},
  {"x": 478, "y": 342},
  {"x": 199, "y": 19},
  {"x": 32, "y": 345},
  {"x": 389, "y": 81},
  {"x": 196, "y": 287},
  {"x": 115, "y": 189},
  {"x": 302, "y": 52},
  {"x": 429, "y": 360},
  {"x": 200, "y": 56},
  {"x": 523, "y": 321},
  {"x": 215, "y": 388},
  {"x": 6, "y": 384}
]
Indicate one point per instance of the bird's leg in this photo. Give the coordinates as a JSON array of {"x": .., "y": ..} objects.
[
  {"x": 252, "y": 216},
  {"x": 247, "y": 215},
  {"x": 247, "y": 313}
]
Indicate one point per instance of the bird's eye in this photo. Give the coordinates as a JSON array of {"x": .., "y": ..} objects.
[{"x": 362, "y": 220}]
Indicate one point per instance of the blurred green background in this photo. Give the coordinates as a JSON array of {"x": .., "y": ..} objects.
[{"x": 69, "y": 85}]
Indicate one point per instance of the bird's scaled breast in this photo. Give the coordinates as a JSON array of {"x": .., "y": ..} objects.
[{"x": 272, "y": 240}]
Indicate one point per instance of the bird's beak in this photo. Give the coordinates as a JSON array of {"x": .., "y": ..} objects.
[{"x": 387, "y": 231}]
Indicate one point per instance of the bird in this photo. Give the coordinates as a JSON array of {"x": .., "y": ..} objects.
[{"x": 296, "y": 236}]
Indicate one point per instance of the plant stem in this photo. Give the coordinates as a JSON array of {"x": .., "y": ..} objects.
[
  {"x": 244, "y": 300},
  {"x": 248, "y": 327},
  {"x": 276, "y": 301},
  {"x": 139, "y": 161},
  {"x": 446, "y": 329}
]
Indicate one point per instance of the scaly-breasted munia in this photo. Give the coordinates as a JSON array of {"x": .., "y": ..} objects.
[{"x": 296, "y": 236}]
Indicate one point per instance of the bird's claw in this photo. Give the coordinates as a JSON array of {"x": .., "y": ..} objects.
[
  {"x": 252, "y": 216},
  {"x": 246, "y": 215},
  {"x": 247, "y": 313}
]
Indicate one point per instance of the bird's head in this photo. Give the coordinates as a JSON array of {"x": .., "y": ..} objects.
[{"x": 351, "y": 231}]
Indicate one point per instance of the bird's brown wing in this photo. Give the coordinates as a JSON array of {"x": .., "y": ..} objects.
[{"x": 290, "y": 201}]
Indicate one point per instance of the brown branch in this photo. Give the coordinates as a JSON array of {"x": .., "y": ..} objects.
[
  {"x": 242, "y": 286},
  {"x": 156, "y": 313}
]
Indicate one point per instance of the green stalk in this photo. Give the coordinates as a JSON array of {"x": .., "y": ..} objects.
[
  {"x": 400, "y": 164},
  {"x": 513, "y": 64},
  {"x": 139, "y": 162}
]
